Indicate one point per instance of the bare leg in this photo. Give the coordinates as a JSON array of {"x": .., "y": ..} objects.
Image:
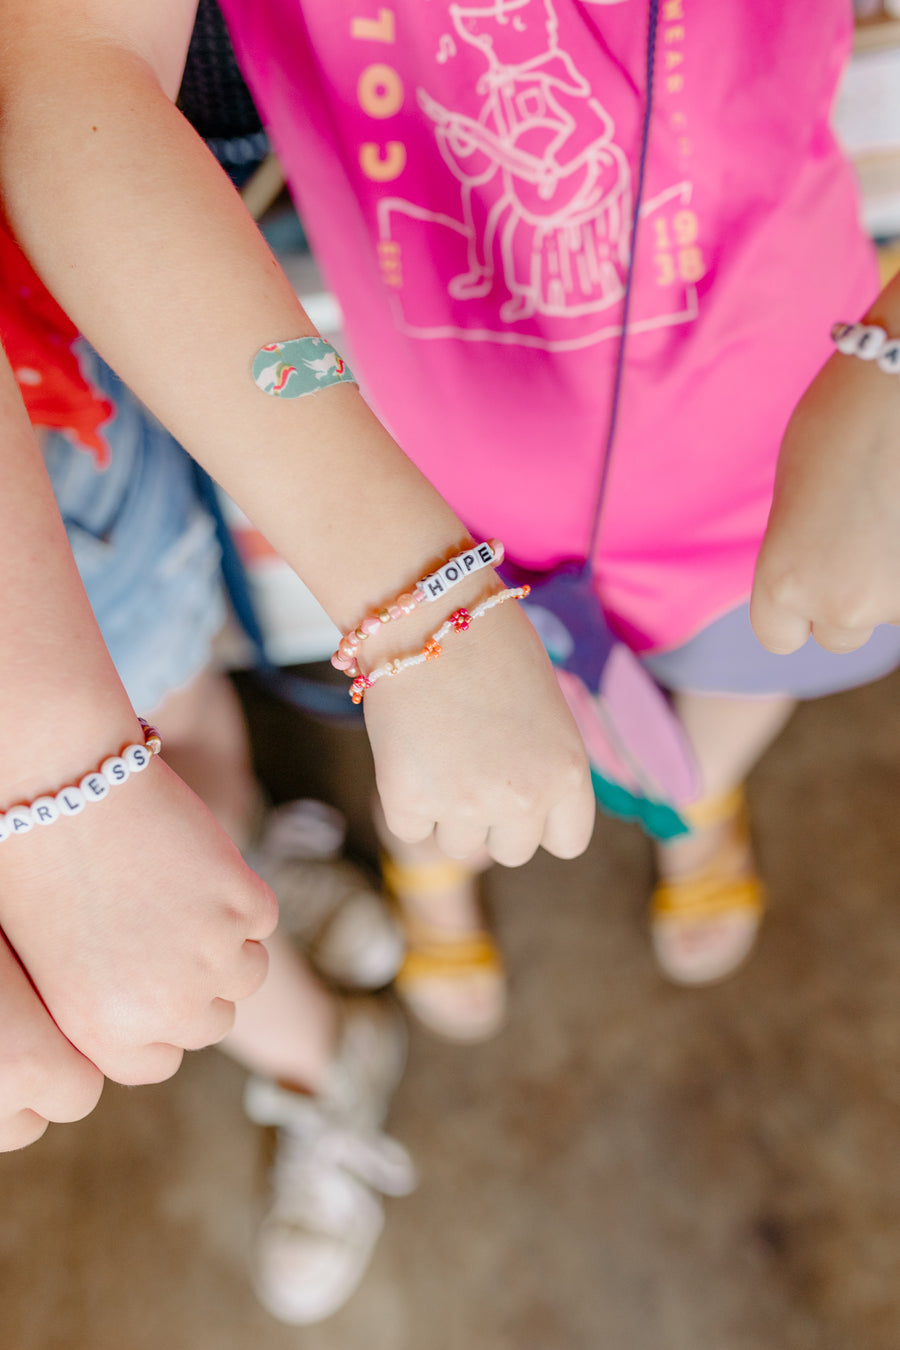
[
  {"x": 288, "y": 1029},
  {"x": 728, "y": 736},
  {"x": 453, "y": 977},
  {"x": 706, "y": 912}
]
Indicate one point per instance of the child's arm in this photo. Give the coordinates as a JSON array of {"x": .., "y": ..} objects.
[
  {"x": 137, "y": 920},
  {"x": 830, "y": 561},
  {"x": 42, "y": 1077},
  {"x": 141, "y": 237}
]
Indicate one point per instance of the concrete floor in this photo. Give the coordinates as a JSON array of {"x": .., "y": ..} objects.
[{"x": 628, "y": 1167}]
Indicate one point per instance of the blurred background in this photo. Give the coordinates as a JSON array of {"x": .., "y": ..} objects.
[{"x": 627, "y": 1165}]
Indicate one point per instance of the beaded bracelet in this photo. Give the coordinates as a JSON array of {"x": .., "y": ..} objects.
[
  {"x": 458, "y": 622},
  {"x": 428, "y": 588},
  {"x": 869, "y": 343},
  {"x": 71, "y": 800}
]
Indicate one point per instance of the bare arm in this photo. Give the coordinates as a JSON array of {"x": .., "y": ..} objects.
[
  {"x": 140, "y": 236},
  {"x": 830, "y": 561},
  {"x": 136, "y": 920}
]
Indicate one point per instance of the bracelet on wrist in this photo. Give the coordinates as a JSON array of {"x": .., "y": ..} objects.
[
  {"x": 93, "y": 787},
  {"x": 869, "y": 342},
  {"x": 458, "y": 622},
  {"x": 426, "y": 589}
]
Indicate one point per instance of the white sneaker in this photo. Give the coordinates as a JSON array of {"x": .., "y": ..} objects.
[
  {"x": 332, "y": 1165},
  {"x": 327, "y": 903}
]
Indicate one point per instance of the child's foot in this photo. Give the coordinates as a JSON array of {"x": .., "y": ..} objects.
[
  {"x": 332, "y": 1165},
  {"x": 706, "y": 910},
  {"x": 326, "y": 903},
  {"x": 452, "y": 976}
]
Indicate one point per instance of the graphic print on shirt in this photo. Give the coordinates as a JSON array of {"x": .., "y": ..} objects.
[{"x": 545, "y": 192}]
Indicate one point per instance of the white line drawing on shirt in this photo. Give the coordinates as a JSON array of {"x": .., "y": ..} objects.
[{"x": 546, "y": 193}]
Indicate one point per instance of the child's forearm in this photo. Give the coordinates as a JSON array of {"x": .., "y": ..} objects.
[
  {"x": 62, "y": 706},
  {"x": 885, "y": 310},
  {"x": 141, "y": 237},
  {"x": 830, "y": 561}
]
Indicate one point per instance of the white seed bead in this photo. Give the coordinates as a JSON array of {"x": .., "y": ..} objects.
[
  {"x": 115, "y": 770},
  {"x": 70, "y": 800},
  {"x": 44, "y": 811},
  {"x": 18, "y": 818},
  {"x": 888, "y": 358},
  {"x": 94, "y": 786},
  {"x": 869, "y": 342},
  {"x": 136, "y": 757}
]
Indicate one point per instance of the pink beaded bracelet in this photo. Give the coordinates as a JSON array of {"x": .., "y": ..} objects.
[
  {"x": 458, "y": 622},
  {"x": 71, "y": 800},
  {"x": 428, "y": 588}
]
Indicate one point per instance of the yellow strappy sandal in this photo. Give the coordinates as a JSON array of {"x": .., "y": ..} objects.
[
  {"x": 703, "y": 925},
  {"x": 454, "y": 983}
]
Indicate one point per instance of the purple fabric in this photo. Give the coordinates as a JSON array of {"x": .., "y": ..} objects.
[{"x": 727, "y": 658}]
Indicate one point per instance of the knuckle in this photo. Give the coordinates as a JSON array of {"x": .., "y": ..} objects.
[
  {"x": 153, "y": 1064},
  {"x": 20, "y": 1130},
  {"x": 783, "y": 587}
]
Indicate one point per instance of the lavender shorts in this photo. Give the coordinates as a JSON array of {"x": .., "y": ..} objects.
[{"x": 726, "y": 657}]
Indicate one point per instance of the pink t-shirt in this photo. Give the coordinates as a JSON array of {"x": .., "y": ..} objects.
[{"x": 467, "y": 171}]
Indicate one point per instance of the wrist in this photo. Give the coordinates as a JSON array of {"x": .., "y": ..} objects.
[
  {"x": 61, "y": 743},
  {"x": 360, "y": 645},
  {"x": 885, "y": 311}
]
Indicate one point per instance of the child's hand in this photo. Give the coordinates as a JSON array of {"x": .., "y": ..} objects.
[
  {"x": 139, "y": 923},
  {"x": 830, "y": 560},
  {"x": 480, "y": 746},
  {"x": 42, "y": 1078}
]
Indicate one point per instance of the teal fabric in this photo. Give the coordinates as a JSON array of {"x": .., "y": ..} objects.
[{"x": 655, "y": 818}]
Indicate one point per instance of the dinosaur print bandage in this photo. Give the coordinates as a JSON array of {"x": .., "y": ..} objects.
[{"x": 298, "y": 367}]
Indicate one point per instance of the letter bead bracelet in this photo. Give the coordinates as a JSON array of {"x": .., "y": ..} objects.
[
  {"x": 71, "y": 800},
  {"x": 458, "y": 622},
  {"x": 869, "y": 343},
  {"x": 427, "y": 589}
]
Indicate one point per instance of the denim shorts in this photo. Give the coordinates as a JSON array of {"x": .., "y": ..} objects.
[{"x": 144, "y": 545}]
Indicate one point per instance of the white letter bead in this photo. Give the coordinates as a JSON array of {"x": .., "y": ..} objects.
[
  {"x": 18, "y": 819},
  {"x": 844, "y": 336},
  {"x": 94, "y": 786},
  {"x": 888, "y": 358},
  {"x": 136, "y": 757},
  {"x": 4, "y": 829},
  {"x": 870, "y": 341},
  {"x": 451, "y": 573},
  {"x": 486, "y": 554},
  {"x": 115, "y": 770},
  {"x": 44, "y": 811},
  {"x": 70, "y": 801}
]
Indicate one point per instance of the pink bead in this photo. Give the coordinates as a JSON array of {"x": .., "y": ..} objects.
[
  {"x": 395, "y": 612},
  {"x": 339, "y": 662},
  {"x": 370, "y": 625},
  {"x": 418, "y": 595},
  {"x": 406, "y": 603}
]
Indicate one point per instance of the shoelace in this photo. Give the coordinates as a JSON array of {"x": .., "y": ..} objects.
[{"x": 312, "y": 1158}]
